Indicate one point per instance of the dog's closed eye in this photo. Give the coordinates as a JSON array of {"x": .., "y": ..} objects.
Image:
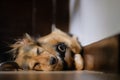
[{"x": 38, "y": 51}]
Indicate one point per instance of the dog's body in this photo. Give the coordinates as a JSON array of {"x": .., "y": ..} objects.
[{"x": 53, "y": 52}]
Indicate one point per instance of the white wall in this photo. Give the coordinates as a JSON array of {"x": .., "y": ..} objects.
[{"x": 93, "y": 20}]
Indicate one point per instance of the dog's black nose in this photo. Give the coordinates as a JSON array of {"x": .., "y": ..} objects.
[{"x": 52, "y": 60}]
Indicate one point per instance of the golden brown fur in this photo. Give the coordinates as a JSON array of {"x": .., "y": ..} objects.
[
  {"x": 57, "y": 36},
  {"x": 53, "y": 52}
]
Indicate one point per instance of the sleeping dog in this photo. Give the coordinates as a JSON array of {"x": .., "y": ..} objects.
[{"x": 54, "y": 52}]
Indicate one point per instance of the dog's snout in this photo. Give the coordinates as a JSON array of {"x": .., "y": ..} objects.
[{"x": 52, "y": 60}]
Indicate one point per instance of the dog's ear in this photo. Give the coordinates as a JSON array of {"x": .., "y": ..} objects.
[
  {"x": 26, "y": 40},
  {"x": 76, "y": 47}
]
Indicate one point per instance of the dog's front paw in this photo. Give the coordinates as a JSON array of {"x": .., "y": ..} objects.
[{"x": 78, "y": 62}]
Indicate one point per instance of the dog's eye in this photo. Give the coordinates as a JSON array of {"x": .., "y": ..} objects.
[
  {"x": 61, "y": 48},
  {"x": 38, "y": 51}
]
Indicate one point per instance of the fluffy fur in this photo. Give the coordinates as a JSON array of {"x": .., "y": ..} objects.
[{"x": 53, "y": 52}]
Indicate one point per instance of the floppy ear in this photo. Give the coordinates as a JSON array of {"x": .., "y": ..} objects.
[
  {"x": 78, "y": 58},
  {"x": 103, "y": 55},
  {"x": 26, "y": 40},
  {"x": 22, "y": 42},
  {"x": 76, "y": 46}
]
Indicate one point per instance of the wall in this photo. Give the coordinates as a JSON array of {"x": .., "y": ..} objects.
[{"x": 94, "y": 20}]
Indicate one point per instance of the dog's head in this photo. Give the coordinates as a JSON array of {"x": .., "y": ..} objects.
[
  {"x": 53, "y": 52},
  {"x": 29, "y": 55},
  {"x": 65, "y": 48}
]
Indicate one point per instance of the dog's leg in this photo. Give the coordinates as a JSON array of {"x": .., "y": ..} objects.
[{"x": 78, "y": 62}]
